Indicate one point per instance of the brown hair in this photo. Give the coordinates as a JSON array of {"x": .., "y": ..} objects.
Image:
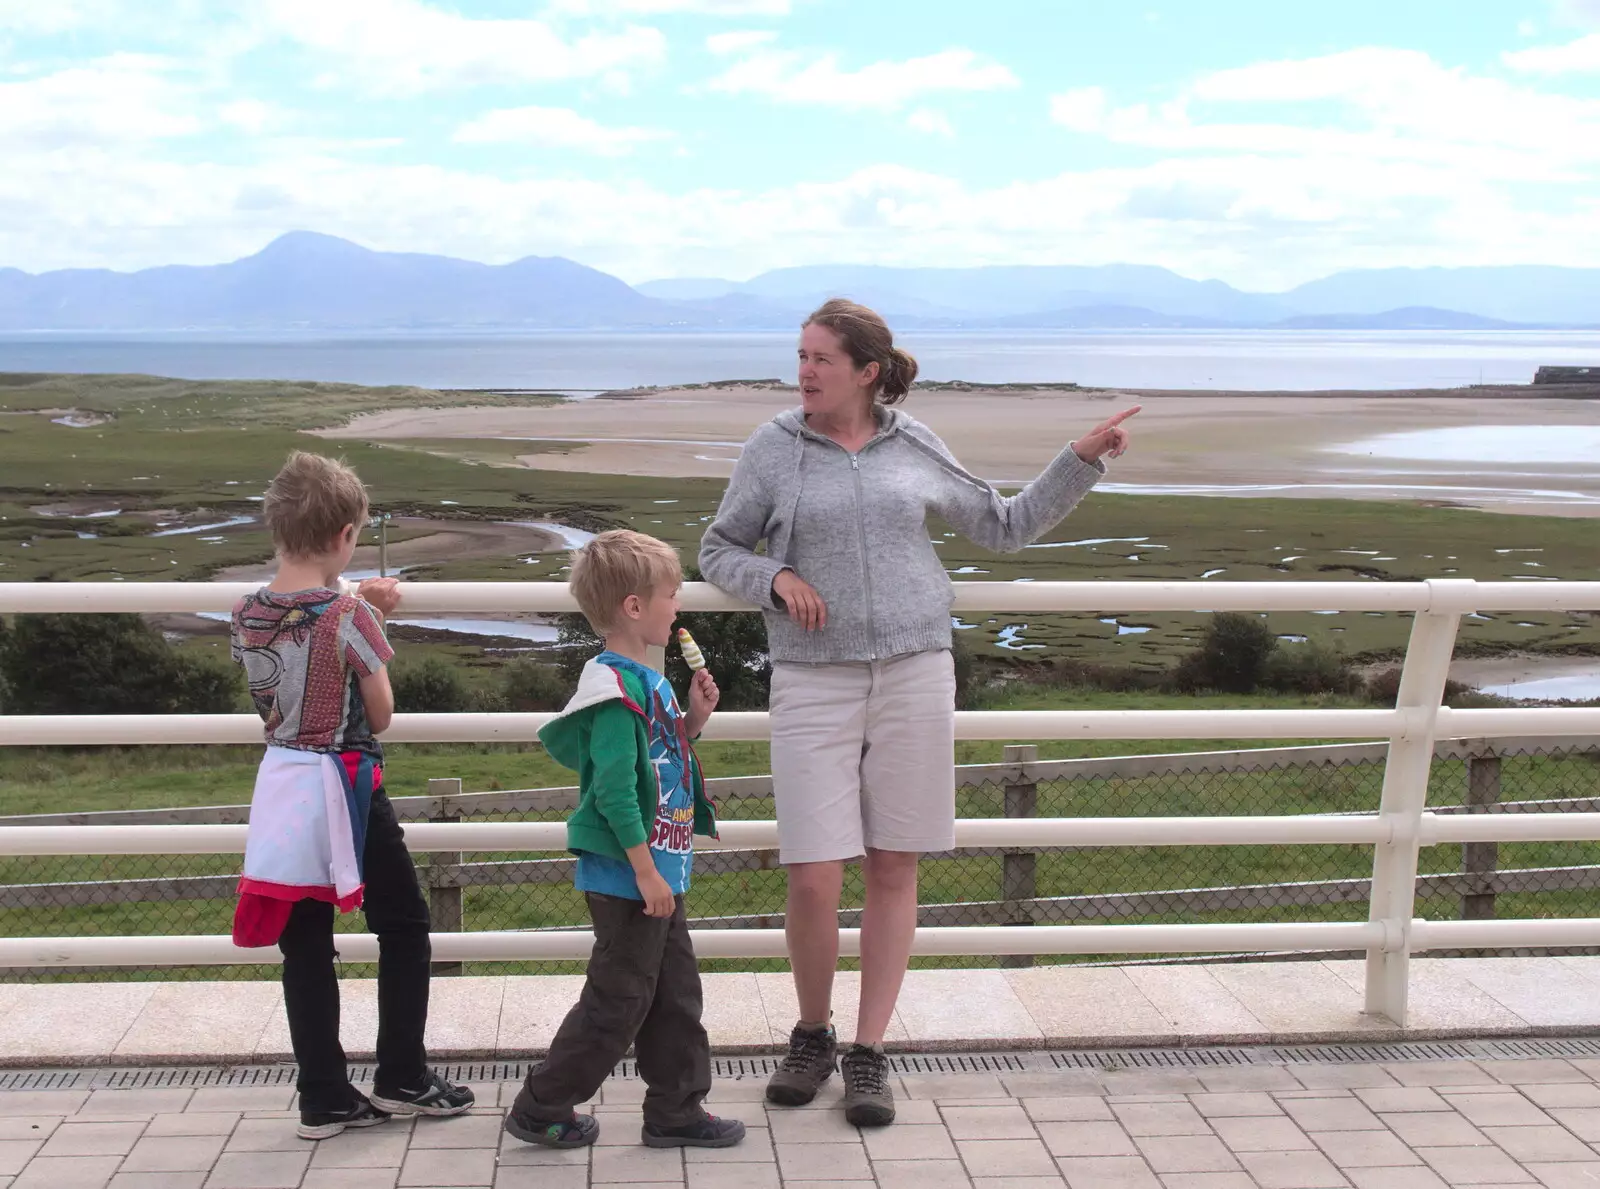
[
  {"x": 615, "y": 565},
  {"x": 868, "y": 339},
  {"x": 309, "y": 502}
]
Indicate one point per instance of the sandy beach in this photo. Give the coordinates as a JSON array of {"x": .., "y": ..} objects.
[{"x": 1292, "y": 444}]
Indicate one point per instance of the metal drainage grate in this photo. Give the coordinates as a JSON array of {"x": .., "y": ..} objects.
[
  {"x": 190, "y": 1078},
  {"x": 962, "y": 1063},
  {"x": 1151, "y": 1058},
  {"x": 731, "y": 1068},
  {"x": 45, "y": 1079},
  {"x": 1330, "y": 1054}
]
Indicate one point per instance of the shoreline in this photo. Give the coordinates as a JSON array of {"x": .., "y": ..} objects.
[{"x": 1224, "y": 442}]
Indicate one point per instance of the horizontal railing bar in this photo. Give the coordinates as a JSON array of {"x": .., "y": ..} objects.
[
  {"x": 1520, "y": 720},
  {"x": 575, "y": 945},
  {"x": 1521, "y": 933},
  {"x": 546, "y": 598},
  {"x": 551, "y": 837},
  {"x": 49, "y": 730},
  {"x": 1509, "y": 827},
  {"x": 1024, "y": 833}
]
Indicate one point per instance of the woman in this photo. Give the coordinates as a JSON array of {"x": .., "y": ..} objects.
[{"x": 863, "y": 687}]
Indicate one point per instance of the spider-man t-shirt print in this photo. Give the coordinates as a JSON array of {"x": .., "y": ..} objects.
[{"x": 304, "y": 653}]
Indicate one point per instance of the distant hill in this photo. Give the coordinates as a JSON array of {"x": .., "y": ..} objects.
[
  {"x": 1406, "y": 318},
  {"x": 1007, "y": 291},
  {"x": 1536, "y": 294},
  {"x": 688, "y": 289},
  {"x": 307, "y": 280},
  {"x": 304, "y": 280}
]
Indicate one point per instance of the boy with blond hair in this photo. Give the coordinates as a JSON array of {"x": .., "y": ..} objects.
[
  {"x": 641, "y": 800},
  {"x": 323, "y": 834}
]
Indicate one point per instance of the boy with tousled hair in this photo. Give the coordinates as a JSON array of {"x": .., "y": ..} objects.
[{"x": 641, "y": 800}]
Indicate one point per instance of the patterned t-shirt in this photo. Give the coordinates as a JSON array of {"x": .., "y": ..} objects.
[
  {"x": 672, "y": 836},
  {"x": 305, "y": 653}
]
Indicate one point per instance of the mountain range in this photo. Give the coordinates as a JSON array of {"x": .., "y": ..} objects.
[{"x": 304, "y": 280}]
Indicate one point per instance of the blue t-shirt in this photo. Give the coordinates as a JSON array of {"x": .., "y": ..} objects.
[{"x": 672, "y": 838}]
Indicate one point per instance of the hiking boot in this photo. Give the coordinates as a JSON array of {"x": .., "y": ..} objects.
[
  {"x": 575, "y": 1131},
  {"x": 327, "y": 1124},
  {"x": 709, "y": 1132},
  {"x": 434, "y": 1097},
  {"x": 812, "y": 1056},
  {"x": 868, "y": 1100}
]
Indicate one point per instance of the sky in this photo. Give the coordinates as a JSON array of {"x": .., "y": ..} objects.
[{"x": 1260, "y": 142}]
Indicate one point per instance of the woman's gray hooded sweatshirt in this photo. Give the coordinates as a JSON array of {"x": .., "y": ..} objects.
[{"x": 854, "y": 527}]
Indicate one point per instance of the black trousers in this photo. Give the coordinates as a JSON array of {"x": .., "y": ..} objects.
[
  {"x": 396, "y": 911},
  {"x": 643, "y": 989}
]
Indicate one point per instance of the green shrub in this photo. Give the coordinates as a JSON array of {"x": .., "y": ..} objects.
[
  {"x": 1310, "y": 669},
  {"x": 430, "y": 685},
  {"x": 1232, "y": 658},
  {"x": 530, "y": 686},
  {"x": 108, "y": 664},
  {"x": 1383, "y": 687}
]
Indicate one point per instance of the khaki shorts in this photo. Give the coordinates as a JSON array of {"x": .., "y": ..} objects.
[{"x": 863, "y": 756}]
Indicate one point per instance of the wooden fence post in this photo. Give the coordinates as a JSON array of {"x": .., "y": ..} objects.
[
  {"x": 1480, "y": 858},
  {"x": 443, "y": 873},
  {"x": 1019, "y": 868}
]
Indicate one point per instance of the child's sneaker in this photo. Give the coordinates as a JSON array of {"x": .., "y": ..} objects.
[
  {"x": 434, "y": 1097},
  {"x": 709, "y": 1132},
  {"x": 327, "y": 1124},
  {"x": 579, "y": 1131}
]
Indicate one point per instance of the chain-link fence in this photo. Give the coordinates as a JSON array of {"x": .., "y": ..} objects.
[{"x": 65, "y": 896}]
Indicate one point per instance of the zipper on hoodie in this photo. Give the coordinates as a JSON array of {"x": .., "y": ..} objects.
[{"x": 861, "y": 541}]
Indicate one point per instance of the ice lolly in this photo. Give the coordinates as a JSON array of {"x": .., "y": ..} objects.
[{"x": 691, "y": 650}]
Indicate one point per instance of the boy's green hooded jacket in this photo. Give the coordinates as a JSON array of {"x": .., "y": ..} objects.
[{"x": 604, "y": 734}]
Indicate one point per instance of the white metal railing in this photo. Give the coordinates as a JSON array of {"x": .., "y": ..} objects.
[{"x": 1400, "y": 827}]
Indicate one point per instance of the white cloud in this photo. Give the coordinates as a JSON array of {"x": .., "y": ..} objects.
[
  {"x": 1580, "y": 56},
  {"x": 715, "y": 8},
  {"x": 553, "y": 127},
  {"x": 1387, "y": 104},
  {"x": 1578, "y": 12},
  {"x": 46, "y": 16},
  {"x": 1256, "y": 220},
  {"x": 250, "y": 115},
  {"x": 398, "y": 46},
  {"x": 124, "y": 98},
  {"x": 1082, "y": 109},
  {"x": 739, "y": 41},
  {"x": 790, "y": 77},
  {"x": 927, "y": 119}
]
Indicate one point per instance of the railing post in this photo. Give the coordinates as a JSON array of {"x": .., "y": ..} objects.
[
  {"x": 1405, "y": 796},
  {"x": 1480, "y": 858},
  {"x": 443, "y": 873},
  {"x": 1019, "y": 868}
]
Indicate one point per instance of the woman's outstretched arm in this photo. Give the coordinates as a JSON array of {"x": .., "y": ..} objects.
[{"x": 1008, "y": 523}]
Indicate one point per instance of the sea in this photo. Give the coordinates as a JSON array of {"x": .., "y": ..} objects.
[{"x": 584, "y": 363}]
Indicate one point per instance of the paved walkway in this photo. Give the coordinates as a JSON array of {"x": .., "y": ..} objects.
[
  {"x": 1371, "y": 1126},
  {"x": 1043, "y": 1007}
]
